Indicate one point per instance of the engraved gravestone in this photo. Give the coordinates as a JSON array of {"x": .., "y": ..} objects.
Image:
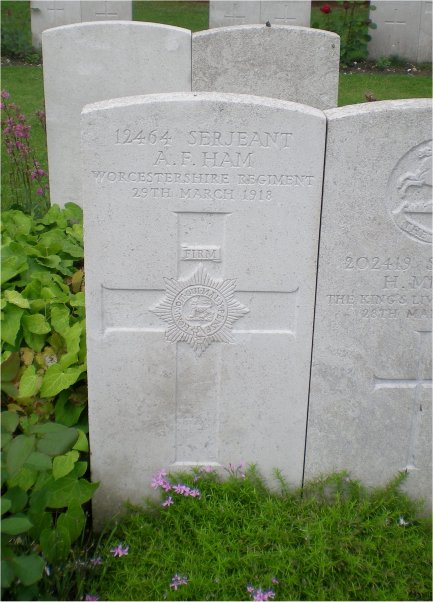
[
  {"x": 278, "y": 12},
  {"x": 291, "y": 63},
  {"x": 370, "y": 404},
  {"x": 403, "y": 29},
  {"x": 89, "y": 62},
  {"x": 201, "y": 229},
  {"x": 54, "y": 13}
]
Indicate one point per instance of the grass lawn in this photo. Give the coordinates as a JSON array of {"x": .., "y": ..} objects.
[{"x": 336, "y": 542}]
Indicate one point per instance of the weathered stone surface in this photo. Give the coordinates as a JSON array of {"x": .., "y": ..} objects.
[
  {"x": 95, "y": 61},
  {"x": 278, "y": 12},
  {"x": 201, "y": 234},
  {"x": 54, "y": 13},
  {"x": 370, "y": 405},
  {"x": 403, "y": 29},
  {"x": 291, "y": 63}
]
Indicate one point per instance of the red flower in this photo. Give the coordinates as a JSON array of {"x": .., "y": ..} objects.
[{"x": 325, "y": 9}]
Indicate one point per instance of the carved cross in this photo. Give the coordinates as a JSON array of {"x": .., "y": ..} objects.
[
  {"x": 105, "y": 12},
  {"x": 201, "y": 300},
  {"x": 418, "y": 383}
]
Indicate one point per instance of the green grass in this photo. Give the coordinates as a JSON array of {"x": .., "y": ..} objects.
[
  {"x": 191, "y": 15},
  {"x": 387, "y": 86},
  {"x": 337, "y": 542}
]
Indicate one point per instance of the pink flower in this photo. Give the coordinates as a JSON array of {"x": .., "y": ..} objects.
[
  {"x": 40, "y": 191},
  {"x": 4, "y": 94},
  {"x": 159, "y": 480},
  {"x": 95, "y": 561},
  {"x": 91, "y": 597},
  {"x": 168, "y": 502},
  {"x": 119, "y": 550},
  {"x": 177, "y": 581}
]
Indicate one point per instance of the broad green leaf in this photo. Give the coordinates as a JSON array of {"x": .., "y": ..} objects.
[
  {"x": 7, "y": 573},
  {"x": 16, "y": 222},
  {"x": 55, "y": 544},
  {"x": 52, "y": 261},
  {"x": 11, "y": 266},
  {"x": 67, "y": 360},
  {"x": 17, "y": 497},
  {"x": 30, "y": 382},
  {"x": 72, "y": 338},
  {"x": 68, "y": 491},
  {"x": 41, "y": 521},
  {"x": 18, "y": 451},
  {"x": 80, "y": 469},
  {"x": 82, "y": 443},
  {"x": 56, "y": 438},
  {"x": 36, "y": 323},
  {"x": 9, "y": 421},
  {"x": 25, "y": 478},
  {"x": 10, "y": 367},
  {"x": 6, "y": 505},
  {"x": 73, "y": 520},
  {"x": 35, "y": 341},
  {"x": 39, "y": 461},
  {"x": 62, "y": 465},
  {"x": 78, "y": 300},
  {"x": 73, "y": 213},
  {"x": 68, "y": 413},
  {"x": 60, "y": 318},
  {"x": 14, "y": 525},
  {"x": 29, "y": 568},
  {"x": 11, "y": 323},
  {"x": 56, "y": 379},
  {"x": 16, "y": 298}
]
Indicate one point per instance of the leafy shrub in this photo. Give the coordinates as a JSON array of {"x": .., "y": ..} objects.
[
  {"x": 43, "y": 378},
  {"x": 349, "y": 19},
  {"x": 15, "y": 37},
  {"x": 383, "y": 62}
]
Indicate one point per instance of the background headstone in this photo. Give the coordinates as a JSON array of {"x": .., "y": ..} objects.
[
  {"x": 278, "y": 12},
  {"x": 370, "y": 405},
  {"x": 201, "y": 233},
  {"x": 54, "y": 13},
  {"x": 89, "y": 62},
  {"x": 403, "y": 29},
  {"x": 291, "y": 63}
]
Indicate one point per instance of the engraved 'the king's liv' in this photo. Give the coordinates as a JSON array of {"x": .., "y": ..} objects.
[{"x": 199, "y": 310}]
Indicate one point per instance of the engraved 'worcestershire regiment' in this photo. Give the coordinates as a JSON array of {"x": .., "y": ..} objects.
[
  {"x": 199, "y": 310},
  {"x": 201, "y": 232}
]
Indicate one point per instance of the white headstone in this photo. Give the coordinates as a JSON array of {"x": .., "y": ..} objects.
[
  {"x": 95, "y": 61},
  {"x": 403, "y": 29},
  {"x": 54, "y": 13},
  {"x": 291, "y": 63},
  {"x": 201, "y": 229},
  {"x": 370, "y": 405},
  {"x": 278, "y": 12}
]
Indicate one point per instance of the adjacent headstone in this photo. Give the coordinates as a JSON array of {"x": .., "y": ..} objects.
[
  {"x": 278, "y": 12},
  {"x": 89, "y": 62},
  {"x": 370, "y": 405},
  {"x": 54, "y": 13},
  {"x": 403, "y": 29},
  {"x": 201, "y": 234},
  {"x": 290, "y": 63}
]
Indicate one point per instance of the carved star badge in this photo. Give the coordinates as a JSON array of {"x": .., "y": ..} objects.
[{"x": 199, "y": 310}]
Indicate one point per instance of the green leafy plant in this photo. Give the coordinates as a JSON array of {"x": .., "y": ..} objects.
[
  {"x": 350, "y": 20},
  {"x": 16, "y": 39},
  {"x": 43, "y": 394},
  {"x": 383, "y": 62}
]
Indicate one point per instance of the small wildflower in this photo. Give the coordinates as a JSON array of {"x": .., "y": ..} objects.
[
  {"x": 274, "y": 581},
  {"x": 402, "y": 522},
  {"x": 160, "y": 480},
  {"x": 95, "y": 561},
  {"x": 91, "y": 597},
  {"x": 259, "y": 594},
  {"x": 119, "y": 550},
  {"x": 4, "y": 94},
  {"x": 325, "y": 8},
  {"x": 177, "y": 581},
  {"x": 40, "y": 191},
  {"x": 168, "y": 502}
]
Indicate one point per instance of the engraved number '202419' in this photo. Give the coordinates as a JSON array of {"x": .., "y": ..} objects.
[
  {"x": 376, "y": 263},
  {"x": 127, "y": 136}
]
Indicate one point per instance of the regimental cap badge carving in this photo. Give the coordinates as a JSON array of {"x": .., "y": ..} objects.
[{"x": 199, "y": 310}]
